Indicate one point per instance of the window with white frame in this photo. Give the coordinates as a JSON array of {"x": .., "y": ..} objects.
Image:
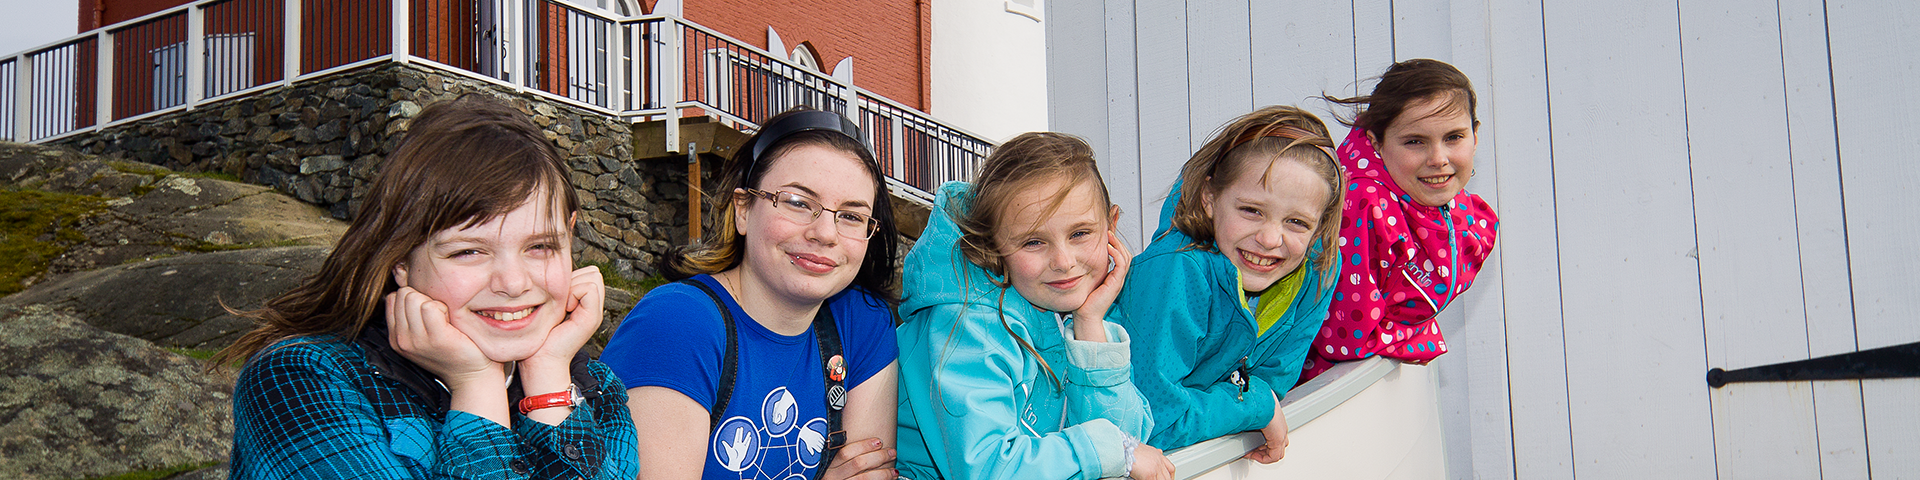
[{"x": 804, "y": 56}]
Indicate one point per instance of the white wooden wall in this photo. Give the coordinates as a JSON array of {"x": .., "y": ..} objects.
[{"x": 1683, "y": 185}]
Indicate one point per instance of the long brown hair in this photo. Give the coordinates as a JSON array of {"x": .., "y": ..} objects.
[
  {"x": 1404, "y": 84},
  {"x": 463, "y": 163},
  {"x": 720, "y": 246},
  {"x": 1011, "y": 173},
  {"x": 1250, "y": 145}
]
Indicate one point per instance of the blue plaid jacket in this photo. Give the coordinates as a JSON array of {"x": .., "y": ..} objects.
[{"x": 316, "y": 407}]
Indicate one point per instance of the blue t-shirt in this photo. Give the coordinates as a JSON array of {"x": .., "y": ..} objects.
[{"x": 777, "y": 421}]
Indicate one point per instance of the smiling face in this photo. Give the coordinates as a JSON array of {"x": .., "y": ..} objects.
[
  {"x": 1263, "y": 225},
  {"x": 1056, "y": 258},
  {"x": 504, "y": 281},
  {"x": 804, "y": 263},
  {"x": 1429, "y": 150}
]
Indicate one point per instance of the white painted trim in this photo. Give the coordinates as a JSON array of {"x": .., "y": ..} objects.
[
  {"x": 82, "y": 130},
  {"x": 402, "y": 35},
  {"x": 103, "y": 78},
  {"x": 124, "y": 121},
  {"x": 607, "y": 15},
  {"x": 667, "y": 7},
  {"x": 711, "y": 110},
  {"x": 775, "y": 44},
  {"x": 452, "y": 70},
  {"x": 23, "y": 97},
  {"x": 516, "y": 41},
  {"x": 290, "y": 32},
  {"x": 342, "y": 68},
  {"x": 1302, "y": 406},
  {"x": 518, "y": 75},
  {"x": 898, "y": 146},
  {"x": 673, "y": 81},
  {"x": 900, "y": 189},
  {"x": 244, "y": 92},
  {"x": 196, "y": 55},
  {"x": 843, "y": 71}
]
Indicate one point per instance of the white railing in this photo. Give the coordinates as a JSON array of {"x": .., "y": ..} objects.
[
  {"x": 639, "y": 68},
  {"x": 1372, "y": 418}
]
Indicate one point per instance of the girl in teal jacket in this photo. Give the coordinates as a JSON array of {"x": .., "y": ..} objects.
[
  {"x": 1229, "y": 295},
  {"x": 1007, "y": 369}
]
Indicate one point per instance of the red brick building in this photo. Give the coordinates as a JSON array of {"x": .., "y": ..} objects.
[{"x": 888, "y": 39}]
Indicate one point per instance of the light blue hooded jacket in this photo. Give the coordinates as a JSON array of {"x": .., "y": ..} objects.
[
  {"x": 1193, "y": 330},
  {"x": 974, "y": 404}
]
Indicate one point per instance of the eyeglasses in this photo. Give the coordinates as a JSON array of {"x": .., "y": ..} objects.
[{"x": 802, "y": 210}]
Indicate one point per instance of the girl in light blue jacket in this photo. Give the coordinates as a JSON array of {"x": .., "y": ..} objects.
[
  {"x": 1008, "y": 368},
  {"x": 1236, "y": 283}
]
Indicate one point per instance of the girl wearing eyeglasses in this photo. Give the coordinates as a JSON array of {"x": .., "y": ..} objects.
[{"x": 773, "y": 354}]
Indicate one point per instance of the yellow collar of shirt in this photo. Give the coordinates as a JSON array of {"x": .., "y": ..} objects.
[{"x": 1273, "y": 303}]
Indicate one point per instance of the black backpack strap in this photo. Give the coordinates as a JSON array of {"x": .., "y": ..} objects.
[
  {"x": 728, "y": 363},
  {"x": 827, "y": 333}
]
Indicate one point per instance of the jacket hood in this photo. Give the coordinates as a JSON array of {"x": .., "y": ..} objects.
[
  {"x": 936, "y": 272},
  {"x": 1358, "y": 156},
  {"x": 1166, "y": 210}
]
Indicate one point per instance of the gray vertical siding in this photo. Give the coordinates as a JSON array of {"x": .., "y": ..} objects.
[{"x": 1683, "y": 185}]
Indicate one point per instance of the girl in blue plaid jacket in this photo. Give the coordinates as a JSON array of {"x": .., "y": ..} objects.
[{"x": 441, "y": 337}]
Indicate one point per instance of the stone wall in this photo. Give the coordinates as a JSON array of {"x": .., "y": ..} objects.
[{"x": 323, "y": 140}]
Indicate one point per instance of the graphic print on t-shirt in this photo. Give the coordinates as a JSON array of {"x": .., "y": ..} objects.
[{"x": 777, "y": 447}]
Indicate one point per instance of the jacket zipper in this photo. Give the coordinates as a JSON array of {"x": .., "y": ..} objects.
[{"x": 1453, "y": 246}]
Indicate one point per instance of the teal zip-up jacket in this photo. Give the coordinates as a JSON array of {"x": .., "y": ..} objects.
[
  {"x": 975, "y": 404},
  {"x": 1193, "y": 331}
]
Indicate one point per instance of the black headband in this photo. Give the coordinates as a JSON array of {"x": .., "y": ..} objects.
[{"x": 797, "y": 122}]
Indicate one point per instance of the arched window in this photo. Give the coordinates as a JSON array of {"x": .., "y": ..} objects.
[{"x": 803, "y": 55}]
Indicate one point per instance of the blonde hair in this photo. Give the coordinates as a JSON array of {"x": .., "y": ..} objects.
[
  {"x": 1267, "y": 135},
  {"x": 1010, "y": 174}
]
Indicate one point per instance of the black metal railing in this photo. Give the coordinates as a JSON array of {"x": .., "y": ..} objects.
[{"x": 62, "y": 85}]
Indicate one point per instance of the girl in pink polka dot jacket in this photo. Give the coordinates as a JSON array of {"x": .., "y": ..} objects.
[{"x": 1412, "y": 237}]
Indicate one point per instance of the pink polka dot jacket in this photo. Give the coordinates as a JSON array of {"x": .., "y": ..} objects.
[{"x": 1401, "y": 263}]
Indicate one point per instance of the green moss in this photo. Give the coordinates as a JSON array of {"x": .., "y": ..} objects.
[
  {"x": 195, "y": 353},
  {"x": 205, "y": 355},
  {"x": 216, "y": 175},
  {"x": 159, "y": 473},
  {"x": 35, "y": 228},
  {"x": 137, "y": 168},
  {"x": 206, "y": 246},
  {"x": 148, "y": 258},
  {"x": 645, "y": 284},
  {"x": 614, "y": 280}
]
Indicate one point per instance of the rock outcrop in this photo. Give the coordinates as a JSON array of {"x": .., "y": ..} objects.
[
  {"x": 78, "y": 402},
  {"x": 153, "y": 260},
  {"x": 176, "y": 301}
]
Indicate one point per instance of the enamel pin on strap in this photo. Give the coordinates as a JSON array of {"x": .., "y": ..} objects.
[
  {"x": 564, "y": 398},
  {"x": 1238, "y": 377}
]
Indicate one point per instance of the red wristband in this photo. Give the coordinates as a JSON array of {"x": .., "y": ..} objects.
[{"x": 564, "y": 398}]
